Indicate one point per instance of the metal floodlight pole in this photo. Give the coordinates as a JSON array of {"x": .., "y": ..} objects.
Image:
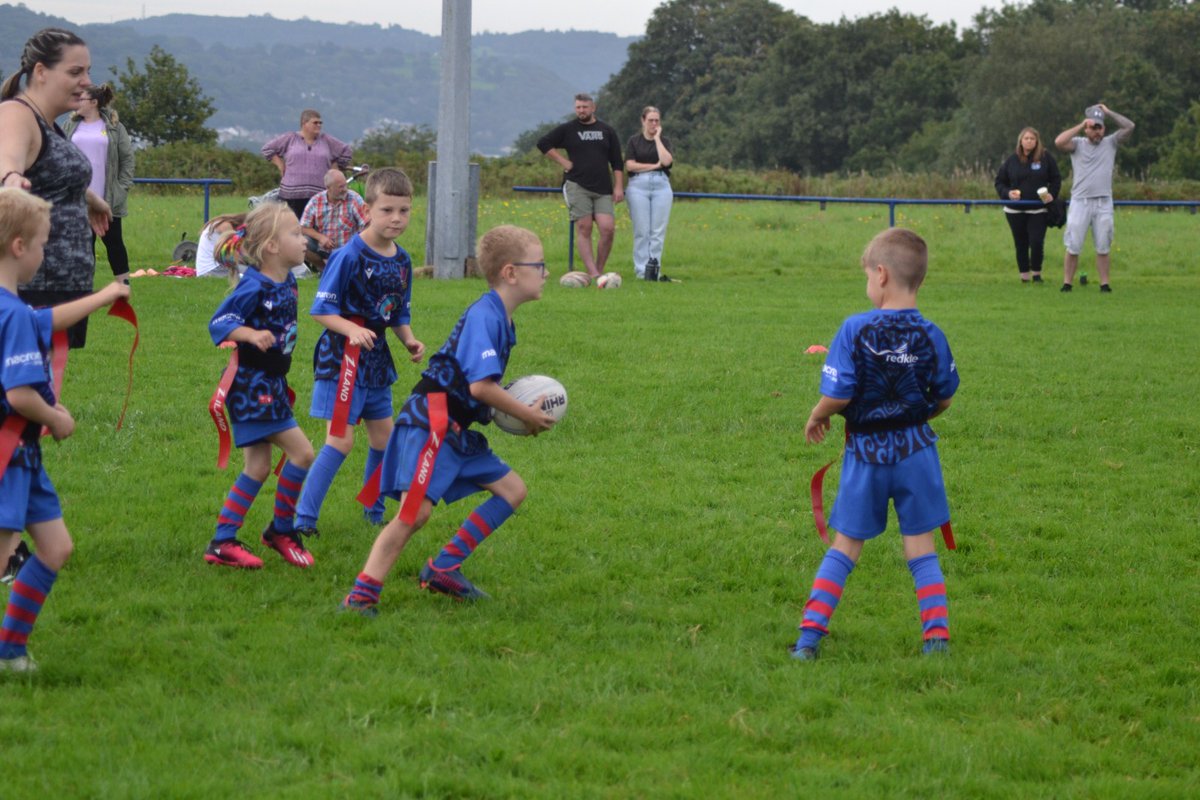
[{"x": 452, "y": 183}]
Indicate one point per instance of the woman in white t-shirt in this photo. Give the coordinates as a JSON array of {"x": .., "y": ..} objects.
[{"x": 95, "y": 130}]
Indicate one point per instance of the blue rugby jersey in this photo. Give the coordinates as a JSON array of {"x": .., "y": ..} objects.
[
  {"x": 357, "y": 281},
  {"x": 478, "y": 348},
  {"x": 25, "y": 335},
  {"x": 894, "y": 366},
  {"x": 259, "y": 390}
]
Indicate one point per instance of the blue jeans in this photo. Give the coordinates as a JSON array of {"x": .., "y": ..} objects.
[{"x": 649, "y": 197}]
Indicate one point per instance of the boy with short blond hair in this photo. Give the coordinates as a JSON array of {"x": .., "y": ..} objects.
[
  {"x": 889, "y": 371},
  {"x": 365, "y": 289},
  {"x": 432, "y": 455},
  {"x": 28, "y": 501}
]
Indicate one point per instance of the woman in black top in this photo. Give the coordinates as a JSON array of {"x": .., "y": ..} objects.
[
  {"x": 1030, "y": 173},
  {"x": 648, "y": 162},
  {"x": 35, "y": 155}
]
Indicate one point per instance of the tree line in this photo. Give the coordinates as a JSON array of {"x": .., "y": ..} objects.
[{"x": 748, "y": 84}]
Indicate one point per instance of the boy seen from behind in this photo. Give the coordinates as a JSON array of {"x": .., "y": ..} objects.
[
  {"x": 432, "y": 456},
  {"x": 889, "y": 371}
]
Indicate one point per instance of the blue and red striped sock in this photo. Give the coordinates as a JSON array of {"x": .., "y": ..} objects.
[
  {"x": 25, "y": 600},
  {"x": 827, "y": 590},
  {"x": 237, "y": 503},
  {"x": 931, "y": 596},
  {"x": 287, "y": 492},
  {"x": 490, "y": 515},
  {"x": 320, "y": 478},
  {"x": 374, "y": 459},
  {"x": 366, "y": 591}
]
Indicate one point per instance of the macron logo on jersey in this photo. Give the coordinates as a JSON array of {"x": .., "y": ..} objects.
[
  {"x": 898, "y": 356},
  {"x": 33, "y": 357},
  {"x": 486, "y": 354},
  {"x": 830, "y": 372},
  {"x": 591, "y": 136}
]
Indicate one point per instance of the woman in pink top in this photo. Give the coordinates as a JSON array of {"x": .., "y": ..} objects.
[
  {"x": 303, "y": 157},
  {"x": 95, "y": 129}
]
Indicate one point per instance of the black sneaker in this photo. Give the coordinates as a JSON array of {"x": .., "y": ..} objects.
[
  {"x": 1105, "y": 289},
  {"x": 651, "y": 270},
  {"x": 663, "y": 278},
  {"x": 1037, "y": 277},
  {"x": 1066, "y": 287},
  {"x": 15, "y": 562}
]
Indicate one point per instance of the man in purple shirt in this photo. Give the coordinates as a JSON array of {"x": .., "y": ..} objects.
[{"x": 331, "y": 218}]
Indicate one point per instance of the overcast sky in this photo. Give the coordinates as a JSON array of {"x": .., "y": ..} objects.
[{"x": 624, "y": 17}]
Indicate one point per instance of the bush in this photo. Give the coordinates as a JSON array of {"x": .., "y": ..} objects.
[{"x": 250, "y": 172}]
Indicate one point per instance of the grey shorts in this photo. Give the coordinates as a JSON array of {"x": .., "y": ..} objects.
[
  {"x": 582, "y": 203},
  {"x": 1094, "y": 212}
]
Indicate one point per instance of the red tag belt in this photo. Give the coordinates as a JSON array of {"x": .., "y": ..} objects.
[
  {"x": 216, "y": 406},
  {"x": 10, "y": 431},
  {"x": 439, "y": 422},
  {"x": 345, "y": 385},
  {"x": 816, "y": 488}
]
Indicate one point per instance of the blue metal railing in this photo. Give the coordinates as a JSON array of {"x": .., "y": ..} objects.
[
  {"x": 207, "y": 183},
  {"x": 890, "y": 202}
]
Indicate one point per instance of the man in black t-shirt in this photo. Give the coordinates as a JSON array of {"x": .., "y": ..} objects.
[{"x": 591, "y": 193}]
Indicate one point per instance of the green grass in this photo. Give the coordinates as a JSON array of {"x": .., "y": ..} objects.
[{"x": 647, "y": 590}]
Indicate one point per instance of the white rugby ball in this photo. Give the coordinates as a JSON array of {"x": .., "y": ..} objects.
[
  {"x": 575, "y": 280},
  {"x": 609, "y": 280},
  {"x": 527, "y": 389}
]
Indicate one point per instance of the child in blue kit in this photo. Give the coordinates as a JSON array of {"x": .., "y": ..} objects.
[
  {"x": 889, "y": 371},
  {"x": 259, "y": 316},
  {"x": 28, "y": 501},
  {"x": 432, "y": 445},
  {"x": 365, "y": 289}
]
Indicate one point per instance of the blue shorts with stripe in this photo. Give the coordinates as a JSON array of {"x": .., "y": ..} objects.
[
  {"x": 455, "y": 475},
  {"x": 365, "y": 403},
  {"x": 914, "y": 485},
  {"x": 27, "y": 497}
]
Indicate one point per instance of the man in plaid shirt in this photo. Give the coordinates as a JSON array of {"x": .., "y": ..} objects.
[{"x": 331, "y": 218}]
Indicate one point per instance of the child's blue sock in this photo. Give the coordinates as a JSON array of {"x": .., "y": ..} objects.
[
  {"x": 374, "y": 459},
  {"x": 478, "y": 526},
  {"x": 287, "y": 492},
  {"x": 320, "y": 477},
  {"x": 237, "y": 503},
  {"x": 931, "y": 596},
  {"x": 25, "y": 600},
  {"x": 826, "y": 592}
]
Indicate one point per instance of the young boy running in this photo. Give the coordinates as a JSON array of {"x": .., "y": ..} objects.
[
  {"x": 889, "y": 371},
  {"x": 432, "y": 456},
  {"x": 28, "y": 500},
  {"x": 365, "y": 289}
]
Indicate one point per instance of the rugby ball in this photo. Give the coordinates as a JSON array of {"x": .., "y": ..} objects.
[
  {"x": 575, "y": 280},
  {"x": 527, "y": 389},
  {"x": 609, "y": 280}
]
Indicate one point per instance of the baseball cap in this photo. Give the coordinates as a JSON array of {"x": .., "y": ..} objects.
[{"x": 1094, "y": 114}]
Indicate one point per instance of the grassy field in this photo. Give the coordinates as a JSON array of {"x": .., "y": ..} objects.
[{"x": 645, "y": 594}]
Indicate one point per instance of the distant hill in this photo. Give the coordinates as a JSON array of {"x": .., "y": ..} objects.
[{"x": 261, "y": 71}]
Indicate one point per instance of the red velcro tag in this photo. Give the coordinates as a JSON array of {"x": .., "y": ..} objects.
[
  {"x": 438, "y": 422},
  {"x": 122, "y": 309},
  {"x": 216, "y": 407},
  {"x": 816, "y": 488},
  {"x": 10, "y": 437},
  {"x": 345, "y": 385},
  {"x": 948, "y": 536}
]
